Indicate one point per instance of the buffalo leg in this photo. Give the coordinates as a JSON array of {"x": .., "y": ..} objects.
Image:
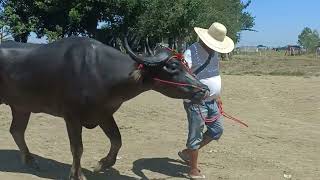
[
  {"x": 111, "y": 129},
  {"x": 18, "y": 127},
  {"x": 74, "y": 129}
]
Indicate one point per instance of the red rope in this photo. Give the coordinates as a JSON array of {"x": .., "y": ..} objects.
[
  {"x": 221, "y": 112},
  {"x": 229, "y": 116},
  {"x": 185, "y": 65},
  {"x": 176, "y": 83},
  {"x": 208, "y": 120}
]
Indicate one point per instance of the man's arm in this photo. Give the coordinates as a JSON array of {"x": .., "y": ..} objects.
[{"x": 187, "y": 57}]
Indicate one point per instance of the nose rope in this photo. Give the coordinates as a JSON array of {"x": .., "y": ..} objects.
[
  {"x": 176, "y": 83},
  {"x": 185, "y": 65}
]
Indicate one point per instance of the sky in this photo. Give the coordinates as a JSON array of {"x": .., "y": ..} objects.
[{"x": 278, "y": 22}]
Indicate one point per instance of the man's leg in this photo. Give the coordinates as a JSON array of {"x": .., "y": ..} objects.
[
  {"x": 186, "y": 152},
  {"x": 206, "y": 140},
  {"x": 214, "y": 130},
  {"x": 194, "y": 170},
  {"x": 195, "y": 134}
]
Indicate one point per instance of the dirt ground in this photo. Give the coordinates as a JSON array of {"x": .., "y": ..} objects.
[{"x": 283, "y": 114}]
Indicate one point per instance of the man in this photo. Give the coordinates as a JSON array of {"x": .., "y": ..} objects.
[{"x": 202, "y": 58}]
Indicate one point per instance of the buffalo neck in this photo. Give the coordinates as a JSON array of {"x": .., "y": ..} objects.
[{"x": 130, "y": 82}]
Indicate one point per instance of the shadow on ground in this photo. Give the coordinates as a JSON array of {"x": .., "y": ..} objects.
[
  {"x": 165, "y": 166},
  {"x": 51, "y": 169}
]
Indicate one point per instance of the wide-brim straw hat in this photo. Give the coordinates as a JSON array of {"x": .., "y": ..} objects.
[{"x": 216, "y": 38}]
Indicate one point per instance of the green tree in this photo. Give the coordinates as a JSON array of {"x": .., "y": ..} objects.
[
  {"x": 4, "y": 29},
  {"x": 54, "y": 18},
  {"x": 4, "y": 32},
  {"x": 231, "y": 13},
  {"x": 20, "y": 18},
  {"x": 61, "y": 18},
  {"x": 175, "y": 20},
  {"x": 165, "y": 19},
  {"x": 153, "y": 19},
  {"x": 309, "y": 39}
]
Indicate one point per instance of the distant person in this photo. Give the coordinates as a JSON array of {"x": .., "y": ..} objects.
[
  {"x": 203, "y": 58},
  {"x": 318, "y": 52}
]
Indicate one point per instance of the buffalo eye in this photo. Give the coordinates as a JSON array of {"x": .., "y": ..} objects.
[{"x": 171, "y": 68}]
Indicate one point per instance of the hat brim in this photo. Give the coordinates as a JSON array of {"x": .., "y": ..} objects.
[{"x": 225, "y": 46}]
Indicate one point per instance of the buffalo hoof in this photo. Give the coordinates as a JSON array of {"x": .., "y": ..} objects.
[
  {"x": 80, "y": 177},
  {"x": 104, "y": 164}
]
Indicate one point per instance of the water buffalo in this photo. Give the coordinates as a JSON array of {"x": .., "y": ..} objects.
[{"x": 85, "y": 82}]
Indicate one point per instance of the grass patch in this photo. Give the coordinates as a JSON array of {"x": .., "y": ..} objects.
[
  {"x": 271, "y": 64},
  {"x": 283, "y": 73}
]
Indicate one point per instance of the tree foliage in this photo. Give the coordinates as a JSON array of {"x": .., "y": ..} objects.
[
  {"x": 4, "y": 29},
  {"x": 153, "y": 19},
  {"x": 173, "y": 20},
  {"x": 20, "y": 18},
  {"x": 231, "y": 13},
  {"x": 309, "y": 39}
]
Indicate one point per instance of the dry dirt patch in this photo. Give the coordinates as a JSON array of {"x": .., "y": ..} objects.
[{"x": 282, "y": 138}]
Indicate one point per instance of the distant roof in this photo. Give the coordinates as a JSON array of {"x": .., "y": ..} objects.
[
  {"x": 296, "y": 46},
  {"x": 261, "y": 46}
]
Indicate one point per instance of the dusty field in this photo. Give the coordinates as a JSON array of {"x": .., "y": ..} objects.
[
  {"x": 272, "y": 63},
  {"x": 283, "y": 114}
]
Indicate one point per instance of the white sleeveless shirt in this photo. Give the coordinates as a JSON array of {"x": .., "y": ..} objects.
[{"x": 213, "y": 83}]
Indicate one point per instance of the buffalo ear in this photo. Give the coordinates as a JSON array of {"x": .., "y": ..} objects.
[{"x": 136, "y": 75}]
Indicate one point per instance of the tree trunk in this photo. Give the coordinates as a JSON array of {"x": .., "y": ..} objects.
[
  {"x": 224, "y": 57},
  {"x": 180, "y": 41},
  {"x": 21, "y": 37},
  {"x": 170, "y": 42}
]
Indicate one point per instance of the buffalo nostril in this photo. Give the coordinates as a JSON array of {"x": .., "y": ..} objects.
[{"x": 205, "y": 89}]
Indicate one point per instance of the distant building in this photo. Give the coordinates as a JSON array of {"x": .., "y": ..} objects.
[
  {"x": 251, "y": 49},
  {"x": 293, "y": 50},
  {"x": 262, "y": 48},
  {"x": 246, "y": 49}
]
